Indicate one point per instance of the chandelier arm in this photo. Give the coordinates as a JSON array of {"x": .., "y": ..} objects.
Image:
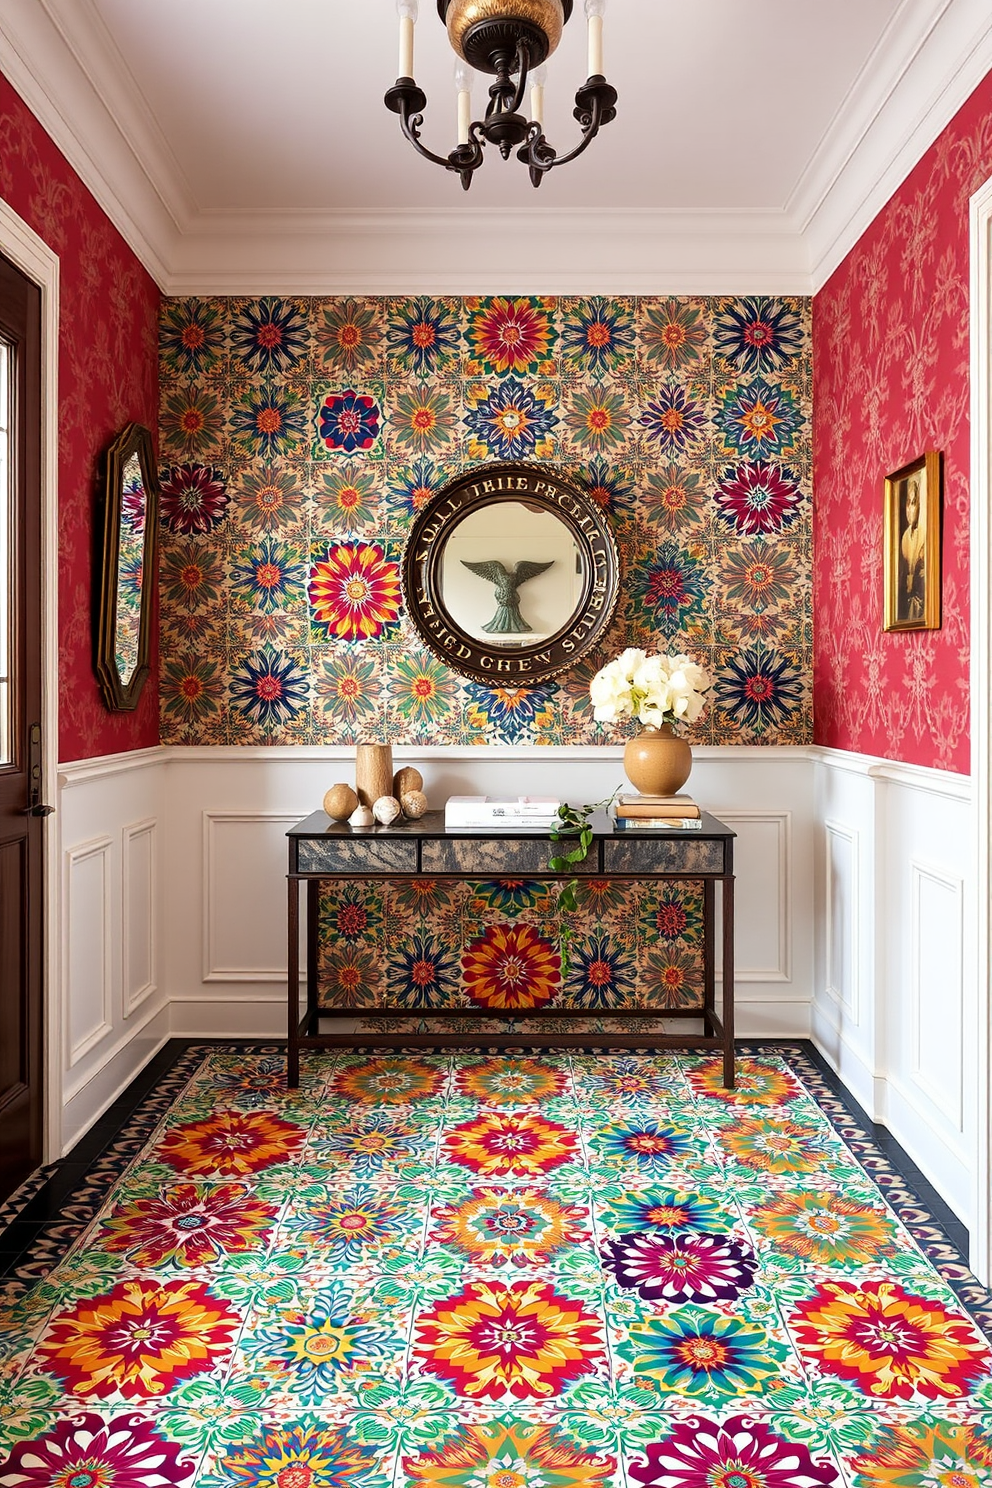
[
  {"x": 594, "y": 107},
  {"x": 410, "y": 102}
]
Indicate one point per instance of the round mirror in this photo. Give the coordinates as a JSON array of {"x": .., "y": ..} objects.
[{"x": 511, "y": 575}]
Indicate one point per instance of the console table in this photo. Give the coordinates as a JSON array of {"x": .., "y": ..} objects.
[{"x": 321, "y": 850}]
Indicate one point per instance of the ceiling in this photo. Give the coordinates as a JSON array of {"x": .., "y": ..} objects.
[{"x": 243, "y": 144}]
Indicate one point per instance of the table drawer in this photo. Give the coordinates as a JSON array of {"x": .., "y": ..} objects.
[
  {"x": 357, "y": 855},
  {"x": 497, "y": 858},
  {"x": 662, "y": 855}
]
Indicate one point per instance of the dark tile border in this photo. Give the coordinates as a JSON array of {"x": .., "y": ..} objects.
[{"x": 48, "y": 1214}]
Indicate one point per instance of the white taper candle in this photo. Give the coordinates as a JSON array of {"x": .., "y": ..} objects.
[
  {"x": 407, "y": 10},
  {"x": 594, "y": 12},
  {"x": 463, "y": 82}
]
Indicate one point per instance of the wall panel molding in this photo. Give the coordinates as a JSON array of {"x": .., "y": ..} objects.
[
  {"x": 842, "y": 978},
  {"x": 139, "y": 912},
  {"x": 87, "y": 955},
  {"x": 233, "y": 884},
  {"x": 778, "y": 966},
  {"x": 936, "y": 942}
]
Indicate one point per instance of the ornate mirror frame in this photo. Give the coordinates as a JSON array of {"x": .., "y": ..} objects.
[
  {"x": 121, "y": 692},
  {"x": 523, "y": 665}
]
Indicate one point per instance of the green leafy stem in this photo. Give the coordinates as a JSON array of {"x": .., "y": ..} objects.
[{"x": 573, "y": 821}]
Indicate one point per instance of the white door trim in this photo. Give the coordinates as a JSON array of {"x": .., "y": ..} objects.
[
  {"x": 981, "y": 700},
  {"x": 32, "y": 255}
]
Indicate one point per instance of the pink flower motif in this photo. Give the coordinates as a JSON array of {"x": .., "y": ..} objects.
[
  {"x": 756, "y": 497},
  {"x": 681, "y": 1268},
  {"x": 739, "y": 1453},
  {"x": 89, "y": 1452}
]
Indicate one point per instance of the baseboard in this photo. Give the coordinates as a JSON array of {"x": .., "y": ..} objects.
[{"x": 98, "y": 1093}]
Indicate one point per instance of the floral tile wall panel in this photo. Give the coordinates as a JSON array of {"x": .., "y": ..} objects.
[
  {"x": 504, "y": 946},
  {"x": 300, "y": 437}
]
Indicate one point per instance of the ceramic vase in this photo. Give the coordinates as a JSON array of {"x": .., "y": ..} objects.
[
  {"x": 373, "y": 772},
  {"x": 657, "y": 762}
]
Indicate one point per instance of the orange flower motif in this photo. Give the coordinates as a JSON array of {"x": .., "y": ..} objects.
[
  {"x": 230, "y": 1143},
  {"x": 387, "y": 1082},
  {"x": 757, "y": 1084},
  {"x": 511, "y": 1082},
  {"x": 511, "y": 966},
  {"x": 355, "y": 591},
  {"x": 510, "y": 1145},
  {"x": 509, "y": 1454},
  {"x": 525, "y": 1340},
  {"x": 945, "y": 1453},
  {"x": 139, "y": 1340},
  {"x": 890, "y": 1342},
  {"x": 826, "y": 1229},
  {"x": 497, "y": 1225},
  {"x": 775, "y": 1146}
]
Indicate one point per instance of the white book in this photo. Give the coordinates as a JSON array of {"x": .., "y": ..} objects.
[{"x": 494, "y": 811}]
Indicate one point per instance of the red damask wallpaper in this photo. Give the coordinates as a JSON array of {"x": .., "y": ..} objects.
[
  {"x": 108, "y": 375},
  {"x": 891, "y": 379}
]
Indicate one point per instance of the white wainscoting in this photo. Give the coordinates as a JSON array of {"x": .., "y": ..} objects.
[
  {"x": 895, "y": 1008},
  {"x": 114, "y": 896},
  {"x": 854, "y": 897}
]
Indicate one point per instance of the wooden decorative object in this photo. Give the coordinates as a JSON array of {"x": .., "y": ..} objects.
[
  {"x": 340, "y": 801},
  {"x": 373, "y": 772}
]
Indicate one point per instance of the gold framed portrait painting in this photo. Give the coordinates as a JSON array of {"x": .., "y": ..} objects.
[{"x": 912, "y": 545}]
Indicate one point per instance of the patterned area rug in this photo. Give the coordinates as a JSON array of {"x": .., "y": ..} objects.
[{"x": 496, "y": 1271}]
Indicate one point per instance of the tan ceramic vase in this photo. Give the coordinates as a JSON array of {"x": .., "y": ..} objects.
[{"x": 657, "y": 762}]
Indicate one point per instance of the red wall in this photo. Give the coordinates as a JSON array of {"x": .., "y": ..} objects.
[
  {"x": 108, "y": 376},
  {"x": 891, "y": 379}
]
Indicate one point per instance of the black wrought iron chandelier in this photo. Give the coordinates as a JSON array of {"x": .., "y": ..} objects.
[{"x": 510, "y": 40}]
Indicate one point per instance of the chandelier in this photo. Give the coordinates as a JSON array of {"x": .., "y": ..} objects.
[{"x": 510, "y": 40}]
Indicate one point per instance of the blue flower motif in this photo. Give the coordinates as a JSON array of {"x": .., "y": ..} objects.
[
  {"x": 610, "y": 488},
  {"x": 598, "y": 336},
  {"x": 600, "y": 976},
  {"x": 412, "y": 486},
  {"x": 314, "y": 1348},
  {"x": 270, "y": 574},
  {"x": 673, "y": 420},
  {"x": 269, "y": 337},
  {"x": 425, "y": 972},
  {"x": 759, "y": 690},
  {"x": 269, "y": 688},
  {"x": 270, "y": 421},
  {"x": 510, "y": 421},
  {"x": 510, "y": 895},
  {"x": 759, "y": 335},
  {"x": 759, "y": 419},
  {"x": 668, "y": 1211},
  {"x": 514, "y": 711},
  {"x": 349, "y": 421},
  {"x": 670, "y": 585},
  {"x": 422, "y": 334},
  {"x": 647, "y": 1143}
]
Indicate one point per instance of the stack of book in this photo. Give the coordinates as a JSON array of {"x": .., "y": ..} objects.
[
  {"x": 671, "y": 813},
  {"x": 494, "y": 811}
]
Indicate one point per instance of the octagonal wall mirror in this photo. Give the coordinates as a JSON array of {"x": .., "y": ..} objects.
[
  {"x": 511, "y": 575},
  {"x": 127, "y": 538}
]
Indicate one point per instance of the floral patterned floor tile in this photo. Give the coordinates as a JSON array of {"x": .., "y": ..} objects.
[{"x": 496, "y": 1271}]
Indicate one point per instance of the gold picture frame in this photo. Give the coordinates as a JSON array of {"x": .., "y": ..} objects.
[{"x": 912, "y": 545}]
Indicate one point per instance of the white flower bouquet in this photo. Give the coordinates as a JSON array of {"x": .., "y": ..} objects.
[{"x": 653, "y": 689}]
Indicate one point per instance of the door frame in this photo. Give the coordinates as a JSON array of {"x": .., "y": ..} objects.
[
  {"x": 32, "y": 255},
  {"x": 981, "y": 700}
]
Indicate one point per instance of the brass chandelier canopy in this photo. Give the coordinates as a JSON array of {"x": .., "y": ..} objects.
[{"x": 510, "y": 40}]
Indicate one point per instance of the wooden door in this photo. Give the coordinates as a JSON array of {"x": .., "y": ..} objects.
[{"x": 21, "y": 807}]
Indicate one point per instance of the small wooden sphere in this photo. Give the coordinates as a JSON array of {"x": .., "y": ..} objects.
[
  {"x": 340, "y": 801},
  {"x": 405, "y": 780},
  {"x": 386, "y": 809},
  {"x": 414, "y": 804}
]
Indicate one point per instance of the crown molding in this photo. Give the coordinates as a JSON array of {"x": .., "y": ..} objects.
[
  {"x": 62, "y": 90},
  {"x": 65, "y": 64},
  {"x": 927, "y": 63},
  {"x": 463, "y": 251}
]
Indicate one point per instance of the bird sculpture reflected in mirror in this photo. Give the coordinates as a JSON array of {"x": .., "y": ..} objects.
[{"x": 507, "y": 619}]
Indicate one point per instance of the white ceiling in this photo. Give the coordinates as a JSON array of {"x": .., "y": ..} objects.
[{"x": 243, "y": 144}]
